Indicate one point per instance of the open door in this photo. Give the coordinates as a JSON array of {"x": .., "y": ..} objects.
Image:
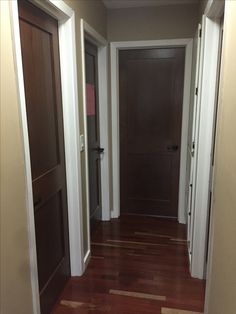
[
  {"x": 192, "y": 136},
  {"x": 93, "y": 133},
  {"x": 214, "y": 138}
]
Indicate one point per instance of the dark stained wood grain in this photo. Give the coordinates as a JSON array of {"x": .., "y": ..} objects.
[
  {"x": 143, "y": 277},
  {"x": 40, "y": 55},
  {"x": 151, "y": 96}
]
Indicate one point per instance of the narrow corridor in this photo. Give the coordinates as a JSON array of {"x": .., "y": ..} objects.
[{"x": 138, "y": 265}]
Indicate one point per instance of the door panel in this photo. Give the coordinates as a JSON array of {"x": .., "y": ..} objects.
[
  {"x": 41, "y": 143},
  {"x": 93, "y": 133},
  {"x": 49, "y": 219},
  {"x": 151, "y": 96},
  {"x": 40, "y": 55}
]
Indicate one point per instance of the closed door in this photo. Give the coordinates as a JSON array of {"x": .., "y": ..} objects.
[
  {"x": 94, "y": 149},
  {"x": 151, "y": 97},
  {"x": 40, "y": 54}
]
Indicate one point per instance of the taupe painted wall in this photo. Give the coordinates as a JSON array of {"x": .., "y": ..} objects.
[
  {"x": 222, "y": 282},
  {"x": 15, "y": 269},
  {"x": 203, "y": 4},
  {"x": 164, "y": 22}
]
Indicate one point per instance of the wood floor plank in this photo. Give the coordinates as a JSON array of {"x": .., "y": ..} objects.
[
  {"x": 138, "y": 295},
  {"x": 153, "y": 235},
  {"x": 115, "y": 245},
  {"x": 136, "y": 242},
  {"x": 72, "y": 304},
  {"x": 76, "y": 304},
  {"x": 178, "y": 240},
  {"x": 177, "y": 311},
  {"x": 98, "y": 257}
]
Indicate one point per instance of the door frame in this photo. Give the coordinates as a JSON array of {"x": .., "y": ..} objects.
[
  {"x": 213, "y": 13},
  {"x": 205, "y": 114},
  {"x": 115, "y": 47},
  {"x": 191, "y": 146},
  {"x": 67, "y": 47},
  {"x": 90, "y": 34}
]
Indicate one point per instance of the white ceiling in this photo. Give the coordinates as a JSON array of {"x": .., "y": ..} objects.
[{"x": 117, "y": 4}]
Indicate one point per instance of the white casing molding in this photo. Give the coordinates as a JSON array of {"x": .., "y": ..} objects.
[
  {"x": 203, "y": 144},
  {"x": 214, "y": 11}
]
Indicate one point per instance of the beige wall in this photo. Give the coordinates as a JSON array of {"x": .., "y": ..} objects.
[
  {"x": 15, "y": 270},
  {"x": 222, "y": 281},
  {"x": 203, "y": 4},
  {"x": 163, "y": 22}
]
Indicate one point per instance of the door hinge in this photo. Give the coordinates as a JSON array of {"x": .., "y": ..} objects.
[
  {"x": 193, "y": 149},
  {"x": 196, "y": 91},
  {"x": 200, "y": 33}
]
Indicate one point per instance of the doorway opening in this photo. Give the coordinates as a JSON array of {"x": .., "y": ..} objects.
[
  {"x": 93, "y": 134},
  {"x": 96, "y": 142},
  {"x": 186, "y": 44}
]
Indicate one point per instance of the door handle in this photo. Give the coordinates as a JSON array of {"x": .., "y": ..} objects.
[
  {"x": 99, "y": 150},
  {"x": 172, "y": 148}
]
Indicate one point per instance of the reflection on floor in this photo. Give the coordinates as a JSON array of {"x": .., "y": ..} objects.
[{"x": 138, "y": 265}]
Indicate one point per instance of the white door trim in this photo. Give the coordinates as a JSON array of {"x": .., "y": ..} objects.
[
  {"x": 115, "y": 47},
  {"x": 87, "y": 32},
  {"x": 211, "y": 216},
  {"x": 65, "y": 15},
  {"x": 203, "y": 143},
  {"x": 214, "y": 12}
]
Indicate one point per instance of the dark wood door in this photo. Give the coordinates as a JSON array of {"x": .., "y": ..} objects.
[
  {"x": 40, "y": 54},
  {"x": 151, "y": 96},
  {"x": 94, "y": 150}
]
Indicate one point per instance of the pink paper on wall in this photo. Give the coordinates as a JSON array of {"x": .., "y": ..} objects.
[{"x": 90, "y": 98}]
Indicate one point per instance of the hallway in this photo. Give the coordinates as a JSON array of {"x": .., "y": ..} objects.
[{"x": 138, "y": 265}]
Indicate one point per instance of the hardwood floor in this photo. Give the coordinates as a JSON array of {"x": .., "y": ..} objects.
[{"x": 139, "y": 265}]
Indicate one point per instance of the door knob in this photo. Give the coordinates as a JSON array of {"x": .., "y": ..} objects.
[
  {"x": 99, "y": 150},
  {"x": 172, "y": 148}
]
